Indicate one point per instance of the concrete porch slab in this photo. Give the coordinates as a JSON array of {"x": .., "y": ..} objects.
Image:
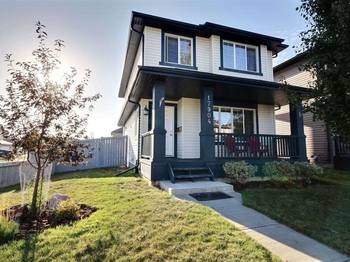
[{"x": 195, "y": 187}]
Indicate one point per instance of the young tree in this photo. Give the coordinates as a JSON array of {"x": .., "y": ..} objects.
[
  {"x": 326, "y": 44},
  {"x": 44, "y": 117}
]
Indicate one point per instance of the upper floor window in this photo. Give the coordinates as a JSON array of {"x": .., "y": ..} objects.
[
  {"x": 178, "y": 50},
  {"x": 240, "y": 57}
]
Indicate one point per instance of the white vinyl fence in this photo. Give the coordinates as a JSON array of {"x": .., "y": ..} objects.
[
  {"x": 10, "y": 172},
  {"x": 107, "y": 152}
]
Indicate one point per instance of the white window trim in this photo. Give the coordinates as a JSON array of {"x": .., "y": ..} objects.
[
  {"x": 246, "y": 58},
  {"x": 238, "y": 108},
  {"x": 178, "y": 37}
]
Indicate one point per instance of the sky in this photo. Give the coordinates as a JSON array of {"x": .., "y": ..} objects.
[{"x": 95, "y": 34}]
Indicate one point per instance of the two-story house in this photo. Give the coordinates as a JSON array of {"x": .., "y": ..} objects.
[
  {"x": 318, "y": 144},
  {"x": 197, "y": 96},
  {"x": 321, "y": 147}
]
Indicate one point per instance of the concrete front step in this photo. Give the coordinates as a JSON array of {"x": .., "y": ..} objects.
[
  {"x": 195, "y": 187},
  {"x": 192, "y": 176}
]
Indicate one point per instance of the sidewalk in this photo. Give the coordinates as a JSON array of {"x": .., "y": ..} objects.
[{"x": 281, "y": 240}]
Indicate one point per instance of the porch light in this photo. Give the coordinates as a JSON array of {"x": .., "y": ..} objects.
[
  {"x": 277, "y": 107},
  {"x": 145, "y": 111}
]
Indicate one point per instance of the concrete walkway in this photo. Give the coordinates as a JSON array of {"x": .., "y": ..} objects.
[{"x": 281, "y": 240}]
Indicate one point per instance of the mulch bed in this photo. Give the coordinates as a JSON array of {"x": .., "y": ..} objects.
[{"x": 46, "y": 219}]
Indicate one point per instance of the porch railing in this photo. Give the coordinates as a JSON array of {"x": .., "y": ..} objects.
[
  {"x": 146, "y": 143},
  {"x": 255, "y": 146},
  {"x": 342, "y": 147}
]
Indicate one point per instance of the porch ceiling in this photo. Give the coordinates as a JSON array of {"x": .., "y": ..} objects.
[{"x": 185, "y": 83}]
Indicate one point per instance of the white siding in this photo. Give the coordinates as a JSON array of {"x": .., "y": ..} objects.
[
  {"x": 207, "y": 55},
  {"x": 266, "y": 119},
  {"x": 215, "y": 55},
  {"x": 202, "y": 54},
  {"x": 268, "y": 68},
  {"x": 152, "y": 46},
  {"x": 179, "y": 127},
  {"x": 211, "y": 54},
  {"x": 188, "y": 139},
  {"x": 130, "y": 130},
  {"x": 135, "y": 69}
]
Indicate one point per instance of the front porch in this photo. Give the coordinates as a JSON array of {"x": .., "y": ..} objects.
[
  {"x": 181, "y": 126},
  {"x": 255, "y": 149},
  {"x": 230, "y": 146}
]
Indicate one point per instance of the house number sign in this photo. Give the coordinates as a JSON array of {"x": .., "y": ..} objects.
[{"x": 209, "y": 109}]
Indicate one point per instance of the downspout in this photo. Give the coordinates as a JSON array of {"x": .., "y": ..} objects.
[
  {"x": 142, "y": 38},
  {"x": 138, "y": 105},
  {"x": 136, "y": 167}
]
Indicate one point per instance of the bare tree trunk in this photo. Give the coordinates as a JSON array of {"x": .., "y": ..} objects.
[{"x": 34, "y": 208}]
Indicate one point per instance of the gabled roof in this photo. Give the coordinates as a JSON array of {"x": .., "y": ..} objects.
[
  {"x": 140, "y": 20},
  {"x": 117, "y": 131},
  {"x": 295, "y": 59}
]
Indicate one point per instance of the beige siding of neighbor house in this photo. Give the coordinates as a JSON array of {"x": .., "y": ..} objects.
[
  {"x": 207, "y": 55},
  {"x": 294, "y": 75},
  {"x": 283, "y": 121},
  {"x": 315, "y": 131}
]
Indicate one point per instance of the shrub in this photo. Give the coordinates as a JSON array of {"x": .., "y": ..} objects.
[
  {"x": 306, "y": 170},
  {"x": 66, "y": 211},
  {"x": 239, "y": 171},
  {"x": 8, "y": 230},
  {"x": 279, "y": 170}
]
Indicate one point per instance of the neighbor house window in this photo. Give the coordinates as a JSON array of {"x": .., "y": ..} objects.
[
  {"x": 178, "y": 49},
  {"x": 239, "y": 56},
  {"x": 234, "y": 120}
]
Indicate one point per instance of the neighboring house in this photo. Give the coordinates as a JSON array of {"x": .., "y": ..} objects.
[
  {"x": 5, "y": 146},
  {"x": 197, "y": 96},
  {"x": 117, "y": 132},
  {"x": 318, "y": 143}
]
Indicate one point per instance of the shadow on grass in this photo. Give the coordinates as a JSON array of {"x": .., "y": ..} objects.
[
  {"x": 319, "y": 210},
  {"x": 14, "y": 188},
  {"x": 92, "y": 173},
  {"x": 29, "y": 249}
]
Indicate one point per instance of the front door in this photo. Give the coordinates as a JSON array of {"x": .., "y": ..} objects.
[{"x": 170, "y": 131}]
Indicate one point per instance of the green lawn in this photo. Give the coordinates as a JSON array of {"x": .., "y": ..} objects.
[
  {"x": 320, "y": 211},
  {"x": 134, "y": 222}
]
